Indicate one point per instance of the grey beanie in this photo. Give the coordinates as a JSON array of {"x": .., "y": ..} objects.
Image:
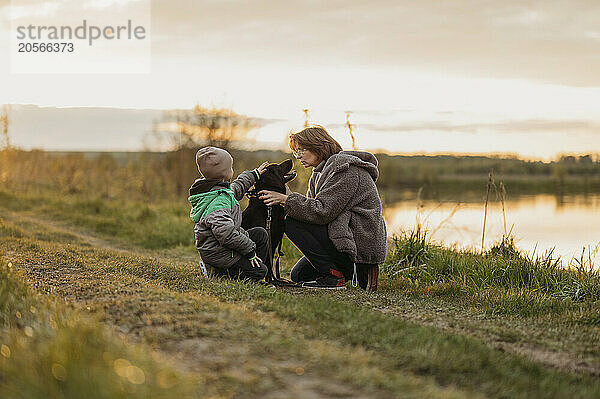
[{"x": 213, "y": 162}]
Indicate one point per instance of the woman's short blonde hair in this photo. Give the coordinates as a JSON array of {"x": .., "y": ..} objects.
[{"x": 317, "y": 140}]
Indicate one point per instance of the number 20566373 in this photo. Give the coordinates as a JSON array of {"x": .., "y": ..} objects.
[{"x": 45, "y": 47}]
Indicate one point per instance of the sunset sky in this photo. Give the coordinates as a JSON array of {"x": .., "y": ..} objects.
[{"x": 420, "y": 76}]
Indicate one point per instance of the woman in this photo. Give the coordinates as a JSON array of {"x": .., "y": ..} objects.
[{"x": 337, "y": 225}]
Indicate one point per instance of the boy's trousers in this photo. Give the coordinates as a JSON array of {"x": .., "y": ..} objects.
[{"x": 243, "y": 268}]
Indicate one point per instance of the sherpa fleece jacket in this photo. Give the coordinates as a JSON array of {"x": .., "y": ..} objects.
[
  {"x": 342, "y": 194},
  {"x": 220, "y": 238}
]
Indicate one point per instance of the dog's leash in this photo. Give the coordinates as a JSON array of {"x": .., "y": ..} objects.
[
  {"x": 274, "y": 279},
  {"x": 268, "y": 227}
]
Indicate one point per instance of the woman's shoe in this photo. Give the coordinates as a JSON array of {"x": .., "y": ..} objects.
[{"x": 333, "y": 281}]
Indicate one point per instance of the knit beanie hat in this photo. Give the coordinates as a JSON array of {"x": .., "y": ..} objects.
[{"x": 213, "y": 162}]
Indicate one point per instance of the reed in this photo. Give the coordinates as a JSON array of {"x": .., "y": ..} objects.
[
  {"x": 490, "y": 184},
  {"x": 306, "y": 118},
  {"x": 420, "y": 206},
  {"x": 502, "y": 199},
  {"x": 350, "y": 128}
]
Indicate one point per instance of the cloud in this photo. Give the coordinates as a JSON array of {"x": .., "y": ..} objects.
[
  {"x": 517, "y": 126},
  {"x": 353, "y": 54},
  {"x": 544, "y": 41},
  {"x": 552, "y": 42}
]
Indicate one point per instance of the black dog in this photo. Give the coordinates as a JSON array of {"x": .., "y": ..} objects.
[{"x": 257, "y": 213}]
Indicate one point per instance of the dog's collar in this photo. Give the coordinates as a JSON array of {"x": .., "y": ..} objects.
[{"x": 252, "y": 193}]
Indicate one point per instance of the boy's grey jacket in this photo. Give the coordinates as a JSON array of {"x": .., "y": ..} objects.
[
  {"x": 342, "y": 194},
  {"x": 220, "y": 238}
]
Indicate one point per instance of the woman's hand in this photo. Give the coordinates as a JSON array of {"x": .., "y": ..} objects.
[
  {"x": 261, "y": 169},
  {"x": 271, "y": 198}
]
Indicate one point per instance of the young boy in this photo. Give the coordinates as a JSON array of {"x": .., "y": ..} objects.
[{"x": 222, "y": 243}]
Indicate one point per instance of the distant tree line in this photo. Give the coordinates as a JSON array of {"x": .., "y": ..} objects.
[{"x": 160, "y": 175}]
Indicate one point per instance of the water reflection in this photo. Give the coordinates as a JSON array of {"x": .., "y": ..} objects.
[{"x": 568, "y": 223}]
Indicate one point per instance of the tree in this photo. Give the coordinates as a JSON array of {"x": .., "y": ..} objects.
[
  {"x": 200, "y": 126},
  {"x": 5, "y": 153}
]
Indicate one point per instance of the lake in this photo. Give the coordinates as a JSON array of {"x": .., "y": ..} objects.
[{"x": 539, "y": 222}]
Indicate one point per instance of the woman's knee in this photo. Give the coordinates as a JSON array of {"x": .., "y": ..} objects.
[
  {"x": 295, "y": 275},
  {"x": 302, "y": 271}
]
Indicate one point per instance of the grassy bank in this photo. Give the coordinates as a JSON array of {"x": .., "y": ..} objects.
[
  {"x": 503, "y": 280},
  {"x": 444, "y": 324},
  {"x": 49, "y": 351},
  {"x": 381, "y": 354},
  {"x": 224, "y": 333},
  {"x": 156, "y": 225}
]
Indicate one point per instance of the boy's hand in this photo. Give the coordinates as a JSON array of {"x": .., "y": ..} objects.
[
  {"x": 262, "y": 167},
  {"x": 255, "y": 262}
]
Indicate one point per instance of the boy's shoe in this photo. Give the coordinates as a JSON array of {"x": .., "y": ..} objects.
[
  {"x": 203, "y": 269},
  {"x": 333, "y": 281}
]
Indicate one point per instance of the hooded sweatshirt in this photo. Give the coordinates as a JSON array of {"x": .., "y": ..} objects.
[
  {"x": 220, "y": 238},
  {"x": 342, "y": 194}
]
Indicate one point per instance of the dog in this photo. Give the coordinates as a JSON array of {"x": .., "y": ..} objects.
[{"x": 256, "y": 213}]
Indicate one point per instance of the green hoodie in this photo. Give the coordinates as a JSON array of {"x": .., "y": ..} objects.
[
  {"x": 205, "y": 203},
  {"x": 220, "y": 238}
]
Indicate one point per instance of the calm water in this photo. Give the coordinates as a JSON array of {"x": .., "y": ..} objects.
[{"x": 539, "y": 223}]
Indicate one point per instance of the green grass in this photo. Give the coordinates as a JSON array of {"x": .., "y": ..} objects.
[
  {"x": 153, "y": 293},
  {"x": 395, "y": 345},
  {"x": 162, "y": 225},
  {"x": 503, "y": 279},
  {"x": 47, "y": 350},
  {"x": 168, "y": 305}
]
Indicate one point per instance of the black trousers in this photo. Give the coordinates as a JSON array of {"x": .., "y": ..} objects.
[
  {"x": 243, "y": 269},
  {"x": 319, "y": 253}
]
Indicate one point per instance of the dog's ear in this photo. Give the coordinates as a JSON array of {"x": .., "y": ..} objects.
[
  {"x": 286, "y": 166},
  {"x": 289, "y": 176}
]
